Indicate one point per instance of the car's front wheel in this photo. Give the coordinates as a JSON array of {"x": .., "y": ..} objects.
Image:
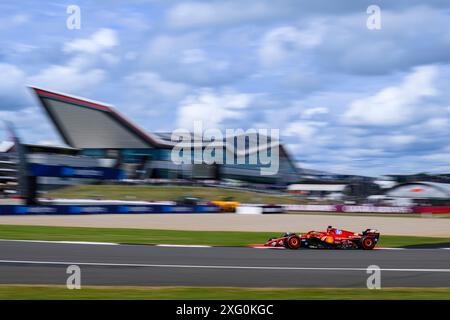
[{"x": 293, "y": 242}]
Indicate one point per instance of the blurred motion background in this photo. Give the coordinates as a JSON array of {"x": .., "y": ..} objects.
[{"x": 363, "y": 113}]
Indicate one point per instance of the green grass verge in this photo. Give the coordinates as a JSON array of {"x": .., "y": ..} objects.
[
  {"x": 148, "y": 236},
  {"x": 40, "y": 292},
  {"x": 161, "y": 193}
]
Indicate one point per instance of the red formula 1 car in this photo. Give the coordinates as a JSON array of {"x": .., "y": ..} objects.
[{"x": 332, "y": 238}]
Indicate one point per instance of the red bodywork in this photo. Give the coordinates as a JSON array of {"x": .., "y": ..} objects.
[{"x": 332, "y": 238}]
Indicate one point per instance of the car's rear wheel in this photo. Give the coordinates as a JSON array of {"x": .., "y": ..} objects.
[
  {"x": 367, "y": 243},
  {"x": 293, "y": 242}
]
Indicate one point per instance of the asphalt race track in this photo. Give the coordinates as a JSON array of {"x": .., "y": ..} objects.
[{"x": 46, "y": 263}]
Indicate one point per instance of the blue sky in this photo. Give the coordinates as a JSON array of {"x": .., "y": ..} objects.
[{"x": 345, "y": 98}]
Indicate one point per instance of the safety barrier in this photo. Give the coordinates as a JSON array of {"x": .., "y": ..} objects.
[
  {"x": 434, "y": 209},
  {"x": 105, "y": 209},
  {"x": 366, "y": 208},
  {"x": 174, "y": 209}
]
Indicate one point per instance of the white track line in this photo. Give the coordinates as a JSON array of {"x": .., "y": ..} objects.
[
  {"x": 107, "y": 243},
  {"x": 65, "y": 242},
  {"x": 183, "y": 266}
]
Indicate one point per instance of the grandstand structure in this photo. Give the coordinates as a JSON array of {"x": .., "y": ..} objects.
[
  {"x": 98, "y": 130},
  {"x": 8, "y": 170}
]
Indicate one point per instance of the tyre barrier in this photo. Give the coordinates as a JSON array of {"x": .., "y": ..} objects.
[{"x": 105, "y": 209}]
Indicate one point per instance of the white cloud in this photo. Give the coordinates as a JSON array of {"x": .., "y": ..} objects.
[
  {"x": 437, "y": 125},
  {"x": 212, "y": 108},
  {"x": 23, "y": 48},
  {"x": 101, "y": 40},
  {"x": 14, "y": 21},
  {"x": 193, "y": 56},
  {"x": 281, "y": 42},
  {"x": 311, "y": 112},
  {"x": 441, "y": 157},
  {"x": 13, "y": 92},
  {"x": 152, "y": 82},
  {"x": 12, "y": 78},
  {"x": 400, "y": 139},
  {"x": 163, "y": 45},
  {"x": 306, "y": 131},
  {"x": 198, "y": 14},
  {"x": 19, "y": 19},
  {"x": 394, "y": 105},
  {"x": 299, "y": 129},
  {"x": 67, "y": 78},
  {"x": 188, "y": 58},
  {"x": 30, "y": 124}
]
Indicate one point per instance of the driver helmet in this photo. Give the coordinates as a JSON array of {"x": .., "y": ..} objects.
[{"x": 329, "y": 229}]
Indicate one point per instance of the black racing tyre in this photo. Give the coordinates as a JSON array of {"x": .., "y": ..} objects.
[
  {"x": 293, "y": 242},
  {"x": 367, "y": 243}
]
